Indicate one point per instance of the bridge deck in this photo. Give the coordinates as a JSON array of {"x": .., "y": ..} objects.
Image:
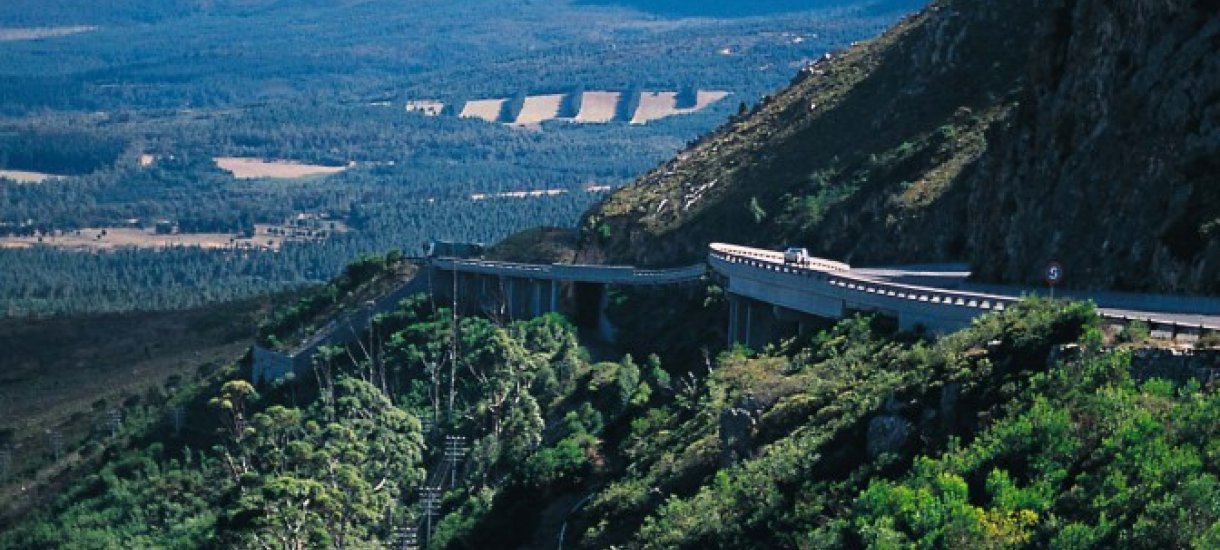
[{"x": 878, "y": 288}]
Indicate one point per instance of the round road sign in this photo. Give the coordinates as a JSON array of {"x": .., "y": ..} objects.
[{"x": 1054, "y": 273}]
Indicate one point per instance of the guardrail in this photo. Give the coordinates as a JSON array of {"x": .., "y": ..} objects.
[
  {"x": 769, "y": 255},
  {"x": 576, "y": 272},
  {"x": 864, "y": 286}
]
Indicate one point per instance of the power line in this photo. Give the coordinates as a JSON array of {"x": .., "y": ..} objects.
[
  {"x": 455, "y": 451},
  {"x": 430, "y": 500},
  {"x": 404, "y": 538}
]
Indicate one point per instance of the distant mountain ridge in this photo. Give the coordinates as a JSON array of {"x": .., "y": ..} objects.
[{"x": 999, "y": 133}]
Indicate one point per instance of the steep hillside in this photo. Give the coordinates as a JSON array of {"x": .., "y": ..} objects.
[{"x": 1000, "y": 133}]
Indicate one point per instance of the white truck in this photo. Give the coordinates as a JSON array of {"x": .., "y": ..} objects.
[{"x": 797, "y": 256}]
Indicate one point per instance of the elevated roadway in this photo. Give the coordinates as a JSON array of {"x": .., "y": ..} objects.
[{"x": 826, "y": 288}]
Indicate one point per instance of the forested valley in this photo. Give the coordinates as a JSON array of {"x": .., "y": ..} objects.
[
  {"x": 126, "y": 120},
  {"x": 528, "y": 437}
]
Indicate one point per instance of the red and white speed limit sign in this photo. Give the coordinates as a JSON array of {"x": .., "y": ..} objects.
[{"x": 1054, "y": 273}]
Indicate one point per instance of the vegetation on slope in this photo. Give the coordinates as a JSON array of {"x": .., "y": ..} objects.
[
  {"x": 365, "y": 279},
  {"x": 996, "y": 133},
  {"x": 855, "y": 436},
  {"x": 64, "y": 380}
]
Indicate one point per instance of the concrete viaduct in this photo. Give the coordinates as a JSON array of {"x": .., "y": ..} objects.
[
  {"x": 768, "y": 298},
  {"x": 508, "y": 290}
]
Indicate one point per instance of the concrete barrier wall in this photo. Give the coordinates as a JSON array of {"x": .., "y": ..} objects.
[{"x": 814, "y": 289}]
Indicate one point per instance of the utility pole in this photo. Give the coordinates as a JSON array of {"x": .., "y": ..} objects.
[
  {"x": 6, "y": 462},
  {"x": 114, "y": 420},
  {"x": 56, "y": 442},
  {"x": 177, "y": 417},
  {"x": 427, "y": 423},
  {"x": 430, "y": 499},
  {"x": 453, "y": 347},
  {"x": 404, "y": 538},
  {"x": 455, "y": 451}
]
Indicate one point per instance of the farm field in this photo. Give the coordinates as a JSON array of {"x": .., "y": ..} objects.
[
  {"x": 705, "y": 99},
  {"x": 518, "y": 194},
  {"x": 540, "y": 108},
  {"x": 486, "y": 109},
  {"x": 38, "y": 33},
  {"x": 215, "y": 116},
  {"x": 253, "y": 168},
  {"x": 658, "y": 105},
  {"x": 267, "y": 237},
  {"x": 21, "y": 176},
  {"x": 598, "y": 107}
]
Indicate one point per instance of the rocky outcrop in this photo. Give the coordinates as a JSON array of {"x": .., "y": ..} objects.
[
  {"x": 1112, "y": 163},
  {"x": 737, "y": 427},
  {"x": 1003, "y": 134}
]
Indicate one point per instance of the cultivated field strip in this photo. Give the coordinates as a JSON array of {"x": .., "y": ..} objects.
[{"x": 596, "y": 107}]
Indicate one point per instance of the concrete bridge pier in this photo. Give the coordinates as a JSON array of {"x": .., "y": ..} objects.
[
  {"x": 750, "y": 322},
  {"x": 755, "y": 324}
]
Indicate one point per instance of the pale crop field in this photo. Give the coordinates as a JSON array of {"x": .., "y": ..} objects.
[
  {"x": 655, "y": 106},
  {"x": 539, "y": 108},
  {"x": 486, "y": 109},
  {"x": 658, "y": 105},
  {"x": 253, "y": 168},
  {"x": 92, "y": 239},
  {"x": 598, "y": 107},
  {"x": 518, "y": 194},
  {"x": 14, "y": 34},
  {"x": 21, "y": 176},
  {"x": 705, "y": 98}
]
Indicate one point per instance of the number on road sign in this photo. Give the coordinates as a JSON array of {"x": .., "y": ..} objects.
[{"x": 1054, "y": 273}]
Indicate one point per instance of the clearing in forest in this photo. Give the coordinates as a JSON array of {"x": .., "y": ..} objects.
[
  {"x": 486, "y": 109},
  {"x": 254, "y": 168},
  {"x": 598, "y": 107},
  {"x": 539, "y": 108},
  {"x": 658, "y": 105},
  {"x": 13, "y": 34},
  {"x": 426, "y": 107},
  {"x": 654, "y": 106},
  {"x": 22, "y": 176},
  {"x": 98, "y": 240},
  {"x": 518, "y": 194}
]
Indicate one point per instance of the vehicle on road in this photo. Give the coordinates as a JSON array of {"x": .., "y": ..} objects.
[{"x": 798, "y": 256}]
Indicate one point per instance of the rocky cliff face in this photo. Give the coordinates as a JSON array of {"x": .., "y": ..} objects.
[
  {"x": 999, "y": 133},
  {"x": 1112, "y": 162}
]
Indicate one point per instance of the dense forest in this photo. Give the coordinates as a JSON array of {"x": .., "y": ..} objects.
[
  {"x": 133, "y": 113},
  {"x": 1025, "y": 430}
]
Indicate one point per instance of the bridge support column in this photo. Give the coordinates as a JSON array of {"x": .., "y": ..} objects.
[
  {"x": 554, "y": 296},
  {"x": 535, "y": 297},
  {"x": 749, "y": 328},
  {"x": 734, "y": 306},
  {"x": 604, "y": 327},
  {"x": 506, "y": 283}
]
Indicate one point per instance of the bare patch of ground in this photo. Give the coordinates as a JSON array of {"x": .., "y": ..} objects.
[
  {"x": 15, "y": 34},
  {"x": 598, "y": 107},
  {"x": 486, "y": 109},
  {"x": 658, "y": 105},
  {"x": 518, "y": 194},
  {"x": 22, "y": 176},
  {"x": 100, "y": 239},
  {"x": 540, "y": 108},
  {"x": 254, "y": 168},
  {"x": 425, "y": 107},
  {"x": 655, "y": 106}
]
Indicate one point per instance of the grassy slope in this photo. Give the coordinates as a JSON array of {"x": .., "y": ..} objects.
[
  {"x": 62, "y": 373},
  {"x": 863, "y": 150}
]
